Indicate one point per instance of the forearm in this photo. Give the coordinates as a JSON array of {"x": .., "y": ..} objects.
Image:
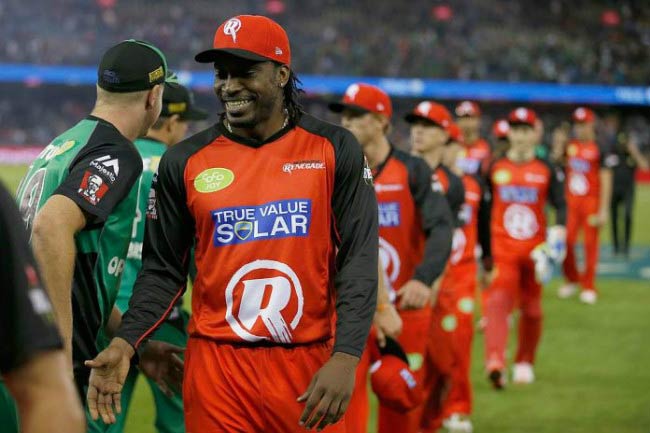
[
  {"x": 605, "y": 190},
  {"x": 383, "y": 297},
  {"x": 55, "y": 251},
  {"x": 114, "y": 322},
  {"x": 46, "y": 398}
]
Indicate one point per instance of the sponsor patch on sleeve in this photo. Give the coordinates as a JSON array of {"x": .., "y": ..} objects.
[{"x": 92, "y": 187}]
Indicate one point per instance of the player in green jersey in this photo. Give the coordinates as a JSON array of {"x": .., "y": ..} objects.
[
  {"x": 78, "y": 201},
  {"x": 177, "y": 111}
]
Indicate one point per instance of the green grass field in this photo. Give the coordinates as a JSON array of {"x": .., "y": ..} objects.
[{"x": 593, "y": 372}]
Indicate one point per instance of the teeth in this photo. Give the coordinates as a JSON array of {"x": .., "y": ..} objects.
[{"x": 234, "y": 105}]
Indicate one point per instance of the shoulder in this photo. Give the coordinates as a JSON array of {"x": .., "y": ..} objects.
[
  {"x": 411, "y": 162},
  {"x": 178, "y": 154},
  {"x": 336, "y": 134}
]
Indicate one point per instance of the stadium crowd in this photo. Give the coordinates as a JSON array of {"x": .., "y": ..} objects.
[{"x": 555, "y": 41}]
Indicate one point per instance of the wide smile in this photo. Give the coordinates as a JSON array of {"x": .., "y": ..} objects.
[{"x": 237, "y": 106}]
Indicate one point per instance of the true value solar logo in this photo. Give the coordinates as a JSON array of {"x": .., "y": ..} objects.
[{"x": 278, "y": 219}]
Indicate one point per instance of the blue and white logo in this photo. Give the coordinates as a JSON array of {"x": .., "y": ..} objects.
[
  {"x": 518, "y": 194},
  {"x": 389, "y": 215},
  {"x": 274, "y": 220}
]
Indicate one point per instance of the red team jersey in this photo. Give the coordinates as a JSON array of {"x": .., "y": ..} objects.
[
  {"x": 408, "y": 211},
  {"x": 519, "y": 196},
  {"x": 472, "y": 156},
  {"x": 463, "y": 249},
  {"x": 584, "y": 161},
  {"x": 272, "y": 223}
]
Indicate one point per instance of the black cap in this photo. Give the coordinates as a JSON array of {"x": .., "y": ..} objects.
[
  {"x": 392, "y": 347},
  {"x": 131, "y": 66},
  {"x": 178, "y": 99}
]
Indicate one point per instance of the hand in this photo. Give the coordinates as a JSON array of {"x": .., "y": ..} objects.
[
  {"x": 160, "y": 362},
  {"x": 329, "y": 392},
  {"x": 414, "y": 294},
  {"x": 387, "y": 323},
  {"x": 487, "y": 277},
  {"x": 543, "y": 263},
  {"x": 109, "y": 370},
  {"x": 556, "y": 242},
  {"x": 599, "y": 219}
]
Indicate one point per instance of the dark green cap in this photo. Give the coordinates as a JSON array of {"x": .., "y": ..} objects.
[{"x": 132, "y": 66}]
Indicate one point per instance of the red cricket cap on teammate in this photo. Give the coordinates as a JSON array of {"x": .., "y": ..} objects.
[
  {"x": 432, "y": 112},
  {"x": 252, "y": 37},
  {"x": 455, "y": 133},
  {"x": 468, "y": 109},
  {"x": 583, "y": 115},
  {"x": 522, "y": 116},
  {"x": 364, "y": 98},
  {"x": 392, "y": 381},
  {"x": 500, "y": 128}
]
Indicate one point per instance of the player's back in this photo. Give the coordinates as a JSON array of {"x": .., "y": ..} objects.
[{"x": 89, "y": 163}]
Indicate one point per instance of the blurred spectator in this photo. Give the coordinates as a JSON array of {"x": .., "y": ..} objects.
[{"x": 512, "y": 40}]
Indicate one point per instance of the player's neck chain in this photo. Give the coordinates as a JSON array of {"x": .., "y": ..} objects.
[{"x": 284, "y": 124}]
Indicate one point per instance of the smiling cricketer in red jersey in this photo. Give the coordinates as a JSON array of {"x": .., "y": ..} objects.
[
  {"x": 285, "y": 235},
  {"x": 521, "y": 186}
]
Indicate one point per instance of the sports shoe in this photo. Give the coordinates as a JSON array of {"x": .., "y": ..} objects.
[
  {"x": 567, "y": 290},
  {"x": 498, "y": 379},
  {"x": 588, "y": 297},
  {"x": 457, "y": 423},
  {"x": 523, "y": 374}
]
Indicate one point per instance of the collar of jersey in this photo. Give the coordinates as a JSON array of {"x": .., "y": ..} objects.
[
  {"x": 382, "y": 165},
  {"x": 251, "y": 142}
]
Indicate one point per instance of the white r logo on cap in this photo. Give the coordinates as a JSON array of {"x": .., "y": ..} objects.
[
  {"x": 232, "y": 27},
  {"x": 352, "y": 91}
]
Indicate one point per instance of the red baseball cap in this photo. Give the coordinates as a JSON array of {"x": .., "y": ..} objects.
[
  {"x": 522, "y": 116},
  {"x": 432, "y": 112},
  {"x": 468, "y": 109},
  {"x": 365, "y": 98},
  {"x": 455, "y": 133},
  {"x": 252, "y": 37},
  {"x": 392, "y": 380},
  {"x": 583, "y": 115},
  {"x": 500, "y": 128}
]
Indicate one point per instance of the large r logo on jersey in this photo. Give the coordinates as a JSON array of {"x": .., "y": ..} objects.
[{"x": 264, "y": 301}]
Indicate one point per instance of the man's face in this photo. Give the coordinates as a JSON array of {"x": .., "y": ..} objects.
[
  {"x": 365, "y": 126},
  {"x": 522, "y": 136},
  {"x": 94, "y": 183},
  {"x": 248, "y": 90},
  {"x": 469, "y": 125},
  {"x": 583, "y": 130},
  {"x": 426, "y": 136}
]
